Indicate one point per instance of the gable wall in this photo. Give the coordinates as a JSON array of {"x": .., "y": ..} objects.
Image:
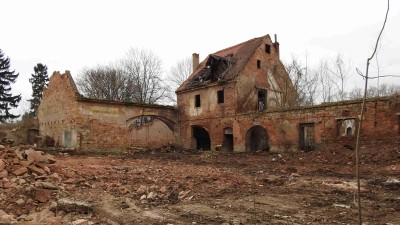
[
  {"x": 269, "y": 76},
  {"x": 58, "y": 109}
]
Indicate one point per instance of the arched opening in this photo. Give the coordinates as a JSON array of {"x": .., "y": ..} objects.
[
  {"x": 202, "y": 137},
  {"x": 138, "y": 121},
  {"x": 257, "y": 139},
  {"x": 228, "y": 139},
  {"x": 149, "y": 131}
]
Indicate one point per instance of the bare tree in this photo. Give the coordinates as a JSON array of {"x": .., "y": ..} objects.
[
  {"x": 143, "y": 69},
  {"x": 134, "y": 78},
  {"x": 341, "y": 71},
  {"x": 356, "y": 93},
  {"x": 105, "y": 82},
  {"x": 178, "y": 74},
  {"x": 326, "y": 81},
  {"x": 304, "y": 82}
]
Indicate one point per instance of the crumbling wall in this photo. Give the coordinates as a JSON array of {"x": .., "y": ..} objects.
[
  {"x": 107, "y": 126},
  {"x": 311, "y": 127},
  {"x": 58, "y": 110},
  {"x": 74, "y": 121}
]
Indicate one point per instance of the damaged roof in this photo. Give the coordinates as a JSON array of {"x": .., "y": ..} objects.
[{"x": 223, "y": 65}]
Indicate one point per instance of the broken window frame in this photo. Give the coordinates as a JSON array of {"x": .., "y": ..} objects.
[
  {"x": 345, "y": 133},
  {"x": 261, "y": 99},
  {"x": 197, "y": 101},
  {"x": 220, "y": 97}
]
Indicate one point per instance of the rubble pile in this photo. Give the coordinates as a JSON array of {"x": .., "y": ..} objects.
[{"x": 30, "y": 183}]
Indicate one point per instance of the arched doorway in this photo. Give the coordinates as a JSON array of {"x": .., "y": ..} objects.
[
  {"x": 202, "y": 137},
  {"x": 257, "y": 139}
]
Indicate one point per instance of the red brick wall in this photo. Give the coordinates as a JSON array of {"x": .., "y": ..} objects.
[
  {"x": 87, "y": 124},
  {"x": 283, "y": 127}
]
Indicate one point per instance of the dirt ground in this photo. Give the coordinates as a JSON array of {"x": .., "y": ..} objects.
[{"x": 167, "y": 187}]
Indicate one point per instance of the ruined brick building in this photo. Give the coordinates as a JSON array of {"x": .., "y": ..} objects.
[
  {"x": 238, "y": 99},
  {"x": 74, "y": 121}
]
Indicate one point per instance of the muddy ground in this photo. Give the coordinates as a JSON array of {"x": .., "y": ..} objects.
[{"x": 175, "y": 187}]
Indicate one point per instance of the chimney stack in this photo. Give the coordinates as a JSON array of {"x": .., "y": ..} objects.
[
  {"x": 195, "y": 61},
  {"x": 276, "y": 45}
]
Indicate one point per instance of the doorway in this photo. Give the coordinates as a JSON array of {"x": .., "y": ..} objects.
[
  {"x": 257, "y": 139},
  {"x": 228, "y": 139},
  {"x": 202, "y": 137},
  {"x": 307, "y": 137}
]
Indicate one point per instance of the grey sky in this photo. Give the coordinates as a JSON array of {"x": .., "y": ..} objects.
[{"x": 68, "y": 35}]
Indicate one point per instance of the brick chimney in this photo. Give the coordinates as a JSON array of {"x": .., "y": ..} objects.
[
  {"x": 195, "y": 61},
  {"x": 276, "y": 45}
]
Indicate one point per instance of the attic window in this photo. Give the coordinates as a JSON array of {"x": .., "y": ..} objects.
[
  {"x": 220, "y": 96},
  {"x": 258, "y": 64},
  {"x": 268, "y": 48},
  {"x": 197, "y": 102}
]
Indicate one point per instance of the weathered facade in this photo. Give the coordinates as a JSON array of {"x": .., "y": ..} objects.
[
  {"x": 78, "y": 122},
  {"x": 237, "y": 99}
]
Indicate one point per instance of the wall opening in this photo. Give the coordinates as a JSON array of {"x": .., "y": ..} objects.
[
  {"x": 262, "y": 94},
  {"x": 202, "y": 137},
  {"x": 67, "y": 139},
  {"x": 32, "y": 135},
  {"x": 220, "y": 96},
  {"x": 257, "y": 139},
  {"x": 268, "y": 48},
  {"x": 228, "y": 140},
  {"x": 258, "y": 64},
  {"x": 141, "y": 121},
  {"x": 197, "y": 102},
  {"x": 307, "y": 137},
  {"x": 138, "y": 122},
  {"x": 346, "y": 127}
]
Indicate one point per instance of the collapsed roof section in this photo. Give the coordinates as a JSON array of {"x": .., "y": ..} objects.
[
  {"x": 214, "y": 70},
  {"x": 223, "y": 65}
]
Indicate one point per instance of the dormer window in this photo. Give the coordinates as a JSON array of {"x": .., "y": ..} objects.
[{"x": 267, "y": 48}]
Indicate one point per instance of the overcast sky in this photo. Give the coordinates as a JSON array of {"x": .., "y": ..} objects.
[{"x": 69, "y": 35}]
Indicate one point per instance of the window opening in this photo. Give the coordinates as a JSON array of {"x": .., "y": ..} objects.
[
  {"x": 220, "y": 96},
  {"x": 268, "y": 48},
  {"x": 346, "y": 127},
  {"x": 258, "y": 64},
  {"x": 261, "y": 100},
  {"x": 197, "y": 101}
]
